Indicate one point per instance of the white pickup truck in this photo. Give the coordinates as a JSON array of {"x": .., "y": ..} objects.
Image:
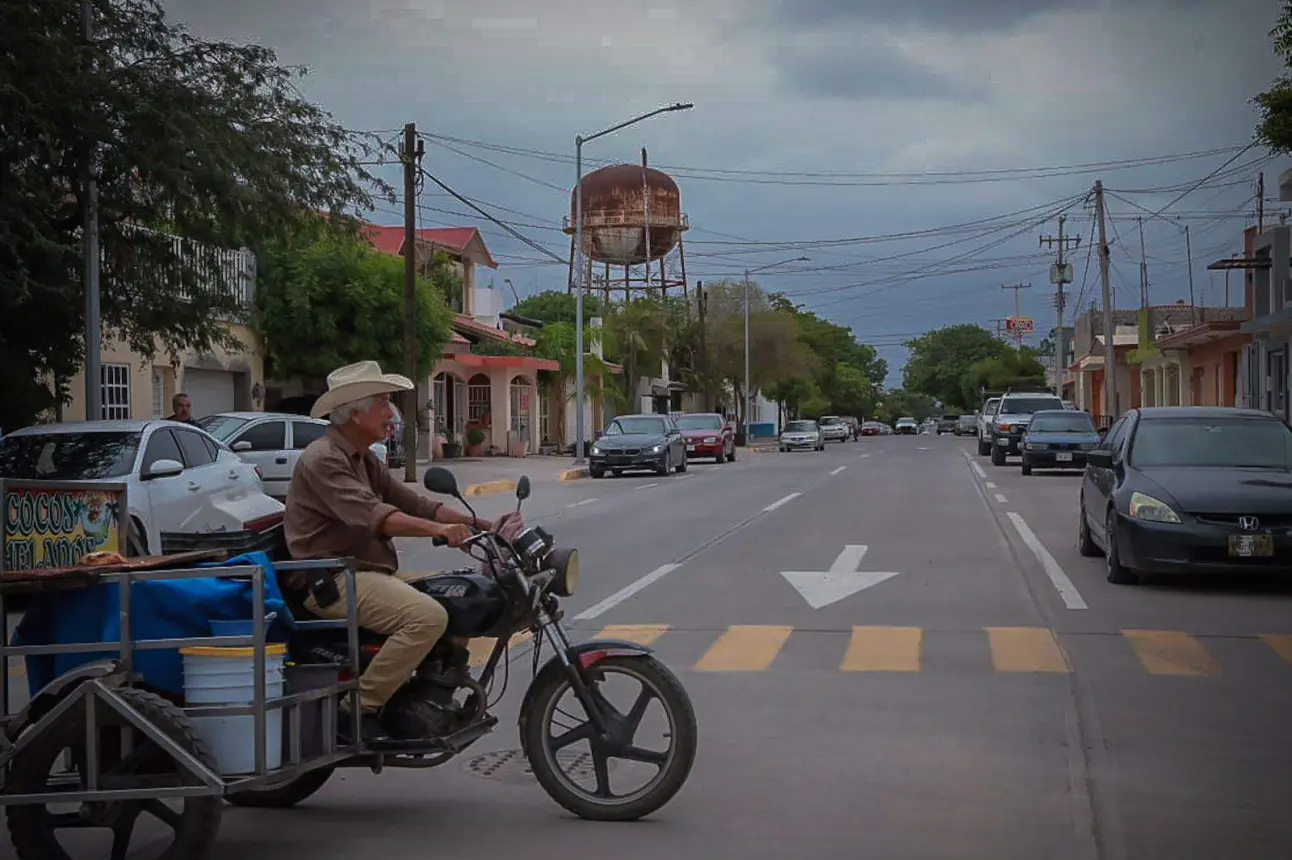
[{"x": 985, "y": 418}]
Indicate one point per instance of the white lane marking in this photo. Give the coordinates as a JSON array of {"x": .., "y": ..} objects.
[
  {"x": 1001, "y": 498},
  {"x": 582, "y": 503},
  {"x": 776, "y": 504},
  {"x": 626, "y": 592},
  {"x": 978, "y": 469},
  {"x": 922, "y": 448},
  {"x": 989, "y": 485},
  {"x": 863, "y": 456},
  {"x": 647, "y": 486},
  {"x": 838, "y": 470},
  {"x": 1067, "y": 591}
]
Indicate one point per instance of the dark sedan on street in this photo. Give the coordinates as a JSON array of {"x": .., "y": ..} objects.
[
  {"x": 1058, "y": 439},
  {"x": 1189, "y": 489},
  {"x": 638, "y": 442}
]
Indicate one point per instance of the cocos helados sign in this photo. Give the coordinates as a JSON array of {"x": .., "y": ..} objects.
[{"x": 58, "y": 526}]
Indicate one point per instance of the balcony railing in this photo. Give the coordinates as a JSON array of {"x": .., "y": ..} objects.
[{"x": 226, "y": 272}]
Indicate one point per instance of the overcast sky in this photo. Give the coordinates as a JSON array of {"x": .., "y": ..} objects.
[{"x": 819, "y": 120}]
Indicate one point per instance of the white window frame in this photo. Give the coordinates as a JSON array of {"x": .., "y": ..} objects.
[
  {"x": 114, "y": 392},
  {"x": 159, "y": 393}
]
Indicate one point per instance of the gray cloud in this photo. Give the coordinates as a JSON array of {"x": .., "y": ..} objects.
[
  {"x": 864, "y": 72},
  {"x": 946, "y": 15}
]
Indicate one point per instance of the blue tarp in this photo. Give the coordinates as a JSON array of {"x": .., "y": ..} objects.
[{"x": 159, "y": 609}]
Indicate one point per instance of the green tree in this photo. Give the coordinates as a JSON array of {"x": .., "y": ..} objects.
[
  {"x": 557, "y": 342},
  {"x": 552, "y": 306},
  {"x": 832, "y": 348},
  {"x": 637, "y": 336},
  {"x": 1018, "y": 370},
  {"x": 1275, "y": 104},
  {"x": 331, "y": 299},
  {"x": 938, "y": 361},
  {"x": 205, "y": 140},
  {"x": 904, "y": 404}
]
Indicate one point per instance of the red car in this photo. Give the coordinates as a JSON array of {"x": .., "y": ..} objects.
[
  {"x": 871, "y": 428},
  {"x": 707, "y": 435}
]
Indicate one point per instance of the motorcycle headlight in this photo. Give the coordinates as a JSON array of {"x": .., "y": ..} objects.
[
  {"x": 1145, "y": 507},
  {"x": 565, "y": 564}
]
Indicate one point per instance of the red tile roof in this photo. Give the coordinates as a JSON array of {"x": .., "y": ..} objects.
[
  {"x": 390, "y": 239},
  {"x": 470, "y": 325}
]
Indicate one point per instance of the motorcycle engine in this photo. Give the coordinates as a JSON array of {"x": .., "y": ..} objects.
[{"x": 443, "y": 671}]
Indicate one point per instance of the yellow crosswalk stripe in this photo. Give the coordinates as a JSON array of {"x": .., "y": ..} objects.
[
  {"x": 480, "y": 649},
  {"x": 1170, "y": 652},
  {"x": 745, "y": 648},
  {"x": 1026, "y": 649},
  {"x": 1282, "y": 645},
  {"x": 642, "y": 634},
  {"x": 883, "y": 649}
]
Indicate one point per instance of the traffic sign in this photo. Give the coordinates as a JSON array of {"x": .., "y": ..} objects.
[{"x": 1019, "y": 325}]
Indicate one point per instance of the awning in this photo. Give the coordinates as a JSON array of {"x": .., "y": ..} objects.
[
  {"x": 503, "y": 362},
  {"x": 1201, "y": 334}
]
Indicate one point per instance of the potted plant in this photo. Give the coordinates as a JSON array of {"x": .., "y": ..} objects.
[
  {"x": 451, "y": 449},
  {"x": 475, "y": 441}
]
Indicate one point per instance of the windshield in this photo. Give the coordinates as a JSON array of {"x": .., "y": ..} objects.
[
  {"x": 1068, "y": 422},
  {"x": 800, "y": 427},
  {"x": 222, "y": 426},
  {"x": 905, "y": 420},
  {"x": 651, "y": 426},
  {"x": 830, "y": 419},
  {"x": 1258, "y": 443},
  {"x": 68, "y": 456},
  {"x": 699, "y": 422},
  {"x": 1029, "y": 405}
]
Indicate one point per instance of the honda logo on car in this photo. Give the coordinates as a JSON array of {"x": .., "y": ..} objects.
[{"x": 1249, "y": 524}]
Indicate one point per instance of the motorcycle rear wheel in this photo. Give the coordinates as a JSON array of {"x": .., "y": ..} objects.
[{"x": 664, "y": 686}]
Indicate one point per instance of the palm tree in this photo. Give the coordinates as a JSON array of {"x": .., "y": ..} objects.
[{"x": 557, "y": 342}]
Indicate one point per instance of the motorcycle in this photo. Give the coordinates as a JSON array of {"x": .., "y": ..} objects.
[{"x": 519, "y": 590}]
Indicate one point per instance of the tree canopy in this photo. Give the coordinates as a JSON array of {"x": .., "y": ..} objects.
[
  {"x": 204, "y": 140},
  {"x": 953, "y": 364},
  {"x": 326, "y": 299},
  {"x": 1275, "y": 104}
]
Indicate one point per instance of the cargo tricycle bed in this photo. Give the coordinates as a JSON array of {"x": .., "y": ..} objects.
[{"x": 135, "y": 738}]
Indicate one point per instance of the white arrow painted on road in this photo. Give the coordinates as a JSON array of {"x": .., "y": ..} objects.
[{"x": 821, "y": 588}]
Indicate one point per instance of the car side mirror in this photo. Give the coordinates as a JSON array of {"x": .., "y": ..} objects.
[
  {"x": 162, "y": 469},
  {"x": 440, "y": 481},
  {"x": 1100, "y": 458},
  {"x": 241, "y": 445}
]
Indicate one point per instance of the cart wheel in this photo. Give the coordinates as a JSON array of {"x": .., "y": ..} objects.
[
  {"x": 185, "y": 831},
  {"x": 285, "y": 795}
]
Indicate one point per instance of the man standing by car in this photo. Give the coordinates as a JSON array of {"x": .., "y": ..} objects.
[{"x": 183, "y": 409}]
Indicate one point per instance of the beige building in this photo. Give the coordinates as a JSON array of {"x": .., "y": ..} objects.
[{"x": 135, "y": 386}]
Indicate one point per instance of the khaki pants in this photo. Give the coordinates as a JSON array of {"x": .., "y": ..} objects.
[{"x": 388, "y": 605}]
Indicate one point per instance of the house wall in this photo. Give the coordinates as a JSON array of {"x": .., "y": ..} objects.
[
  {"x": 154, "y": 381},
  {"x": 1213, "y": 372}
]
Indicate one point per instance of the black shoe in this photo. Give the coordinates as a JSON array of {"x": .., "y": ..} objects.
[
  {"x": 414, "y": 721},
  {"x": 371, "y": 730}
]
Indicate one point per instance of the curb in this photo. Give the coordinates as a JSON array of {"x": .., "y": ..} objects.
[
  {"x": 490, "y": 488},
  {"x": 573, "y": 474},
  {"x": 766, "y": 450}
]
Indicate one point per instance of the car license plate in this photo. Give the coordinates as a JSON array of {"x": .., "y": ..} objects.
[
  {"x": 1003, "y": 442},
  {"x": 690, "y": 447},
  {"x": 1251, "y": 546},
  {"x": 1063, "y": 458}
]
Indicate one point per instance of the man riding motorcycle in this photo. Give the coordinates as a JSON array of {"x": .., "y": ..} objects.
[{"x": 343, "y": 502}]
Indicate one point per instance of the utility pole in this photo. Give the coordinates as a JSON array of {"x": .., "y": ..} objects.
[
  {"x": 410, "y": 155},
  {"x": 1110, "y": 351},
  {"x": 703, "y": 362},
  {"x": 1017, "y": 313},
  {"x": 1188, "y": 254},
  {"x": 1260, "y": 202},
  {"x": 90, "y": 251},
  {"x": 1060, "y": 274}
]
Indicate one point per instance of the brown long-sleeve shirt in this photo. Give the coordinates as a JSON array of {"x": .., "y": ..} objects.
[{"x": 337, "y": 501}]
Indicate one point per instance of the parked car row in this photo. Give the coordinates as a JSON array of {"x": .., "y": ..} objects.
[{"x": 1167, "y": 490}]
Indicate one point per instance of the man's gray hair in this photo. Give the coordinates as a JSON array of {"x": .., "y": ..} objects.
[{"x": 341, "y": 415}]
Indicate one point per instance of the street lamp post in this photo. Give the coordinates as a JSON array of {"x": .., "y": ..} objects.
[
  {"x": 579, "y": 140},
  {"x": 748, "y": 272}
]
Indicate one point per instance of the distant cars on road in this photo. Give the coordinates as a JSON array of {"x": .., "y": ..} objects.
[
  {"x": 1013, "y": 414},
  {"x": 834, "y": 429},
  {"x": 708, "y": 435}
]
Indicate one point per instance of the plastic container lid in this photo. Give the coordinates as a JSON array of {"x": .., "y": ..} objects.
[{"x": 276, "y": 649}]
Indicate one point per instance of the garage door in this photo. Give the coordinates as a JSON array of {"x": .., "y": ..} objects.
[{"x": 210, "y": 390}]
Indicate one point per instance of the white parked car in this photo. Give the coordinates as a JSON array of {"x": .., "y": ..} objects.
[
  {"x": 273, "y": 441},
  {"x": 179, "y": 480}
]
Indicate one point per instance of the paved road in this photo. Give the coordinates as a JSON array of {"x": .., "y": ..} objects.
[{"x": 996, "y": 698}]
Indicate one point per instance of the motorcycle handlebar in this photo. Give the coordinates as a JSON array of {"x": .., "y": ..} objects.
[{"x": 475, "y": 533}]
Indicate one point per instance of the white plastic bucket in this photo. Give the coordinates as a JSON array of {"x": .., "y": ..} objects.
[{"x": 227, "y": 676}]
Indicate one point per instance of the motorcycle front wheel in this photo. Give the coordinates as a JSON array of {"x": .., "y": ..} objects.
[{"x": 552, "y": 729}]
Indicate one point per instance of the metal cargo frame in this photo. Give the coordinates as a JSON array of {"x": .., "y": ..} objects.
[{"x": 93, "y": 685}]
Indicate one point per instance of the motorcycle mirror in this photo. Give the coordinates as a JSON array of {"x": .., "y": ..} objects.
[
  {"x": 440, "y": 481},
  {"x": 522, "y": 488}
]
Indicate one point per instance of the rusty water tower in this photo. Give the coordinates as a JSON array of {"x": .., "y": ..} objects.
[{"x": 632, "y": 230}]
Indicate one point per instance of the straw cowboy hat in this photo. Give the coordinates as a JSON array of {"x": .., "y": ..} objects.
[{"x": 355, "y": 382}]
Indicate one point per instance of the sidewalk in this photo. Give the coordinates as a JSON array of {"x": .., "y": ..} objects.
[{"x": 487, "y": 475}]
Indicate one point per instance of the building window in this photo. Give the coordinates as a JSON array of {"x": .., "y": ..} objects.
[{"x": 114, "y": 389}]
